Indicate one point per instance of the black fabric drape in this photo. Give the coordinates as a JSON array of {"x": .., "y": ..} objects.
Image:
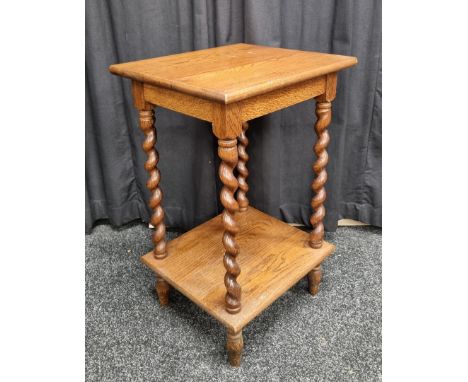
[{"x": 280, "y": 144}]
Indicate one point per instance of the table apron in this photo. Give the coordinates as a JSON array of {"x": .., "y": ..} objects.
[{"x": 249, "y": 108}]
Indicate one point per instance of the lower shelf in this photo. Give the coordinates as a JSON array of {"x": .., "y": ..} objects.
[{"x": 273, "y": 257}]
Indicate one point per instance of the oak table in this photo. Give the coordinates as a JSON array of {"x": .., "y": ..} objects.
[{"x": 263, "y": 256}]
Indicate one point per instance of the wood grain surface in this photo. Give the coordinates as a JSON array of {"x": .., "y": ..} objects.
[
  {"x": 182, "y": 103},
  {"x": 273, "y": 257},
  {"x": 275, "y": 100},
  {"x": 232, "y": 73}
]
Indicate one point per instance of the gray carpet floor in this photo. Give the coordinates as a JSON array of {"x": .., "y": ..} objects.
[{"x": 334, "y": 336}]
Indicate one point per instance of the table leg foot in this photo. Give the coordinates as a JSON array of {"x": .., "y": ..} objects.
[
  {"x": 314, "y": 277},
  {"x": 234, "y": 346},
  {"x": 162, "y": 289}
]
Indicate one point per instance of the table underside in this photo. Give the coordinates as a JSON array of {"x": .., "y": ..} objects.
[{"x": 273, "y": 257}]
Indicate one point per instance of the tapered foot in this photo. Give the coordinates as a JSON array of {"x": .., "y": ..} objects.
[
  {"x": 314, "y": 277},
  {"x": 234, "y": 346},
  {"x": 162, "y": 289}
]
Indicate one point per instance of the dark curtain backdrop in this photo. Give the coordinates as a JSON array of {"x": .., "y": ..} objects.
[{"x": 280, "y": 144}]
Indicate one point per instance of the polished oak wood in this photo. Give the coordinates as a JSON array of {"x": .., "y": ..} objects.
[
  {"x": 323, "y": 111},
  {"x": 227, "y": 151},
  {"x": 157, "y": 218},
  {"x": 274, "y": 256},
  {"x": 248, "y": 108},
  {"x": 162, "y": 290},
  {"x": 232, "y": 73},
  {"x": 180, "y": 102},
  {"x": 234, "y": 346},
  {"x": 314, "y": 278},
  {"x": 263, "y": 257}
]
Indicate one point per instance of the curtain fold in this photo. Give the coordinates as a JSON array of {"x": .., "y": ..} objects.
[{"x": 280, "y": 148}]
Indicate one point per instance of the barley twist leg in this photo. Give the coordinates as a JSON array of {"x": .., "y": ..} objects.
[
  {"x": 323, "y": 112},
  {"x": 227, "y": 151},
  {"x": 157, "y": 218}
]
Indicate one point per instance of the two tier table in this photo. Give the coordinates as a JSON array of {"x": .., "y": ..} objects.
[{"x": 259, "y": 257}]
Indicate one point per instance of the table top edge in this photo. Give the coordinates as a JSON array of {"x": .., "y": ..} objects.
[{"x": 232, "y": 96}]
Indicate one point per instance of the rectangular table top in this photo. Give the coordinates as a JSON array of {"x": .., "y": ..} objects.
[{"x": 232, "y": 73}]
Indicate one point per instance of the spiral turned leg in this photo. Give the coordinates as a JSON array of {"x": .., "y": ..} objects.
[
  {"x": 242, "y": 169},
  {"x": 227, "y": 151},
  {"x": 323, "y": 112},
  {"x": 162, "y": 289},
  {"x": 314, "y": 277},
  {"x": 157, "y": 218},
  {"x": 234, "y": 346}
]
